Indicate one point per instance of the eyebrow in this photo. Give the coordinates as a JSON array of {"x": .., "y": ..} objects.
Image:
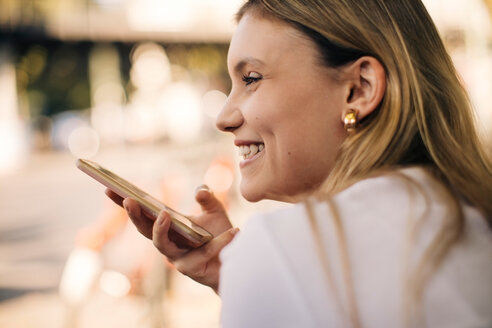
[{"x": 247, "y": 60}]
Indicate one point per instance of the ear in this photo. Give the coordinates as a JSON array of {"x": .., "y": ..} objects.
[{"x": 366, "y": 87}]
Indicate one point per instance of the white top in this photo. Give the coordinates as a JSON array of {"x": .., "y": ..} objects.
[{"x": 271, "y": 274}]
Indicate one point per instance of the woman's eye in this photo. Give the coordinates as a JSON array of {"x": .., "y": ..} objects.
[{"x": 252, "y": 77}]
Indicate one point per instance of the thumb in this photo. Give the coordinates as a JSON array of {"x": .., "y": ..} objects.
[{"x": 207, "y": 200}]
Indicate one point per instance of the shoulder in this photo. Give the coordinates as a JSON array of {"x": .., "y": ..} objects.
[
  {"x": 396, "y": 185},
  {"x": 395, "y": 198}
]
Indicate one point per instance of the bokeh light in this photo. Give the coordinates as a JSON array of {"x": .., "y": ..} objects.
[
  {"x": 139, "y": 120},
  {"x": 13, "y": 149},
  {"x": 83, "y": 142},
  {"x": 80, "y": 275},
  {"x": 114, "y": 283},
  {"x": 12, "y": 133},
  {"x": 151, "y": 68},
  {"x": 63, "y": 126},
  {"x": 219, "y": 176},
  {"x": 212, "y": 103},
  {"x": 180, "y": 113},
  {"x": 159, "y": 15}
]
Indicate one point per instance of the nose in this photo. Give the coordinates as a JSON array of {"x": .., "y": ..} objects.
[{"x": 230, "y": 118}]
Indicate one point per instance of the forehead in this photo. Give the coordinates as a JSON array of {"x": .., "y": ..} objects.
[{"x": 267, "y": 40}]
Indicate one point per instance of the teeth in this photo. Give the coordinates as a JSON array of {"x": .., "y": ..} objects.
[{"x": 251, "y": 150}]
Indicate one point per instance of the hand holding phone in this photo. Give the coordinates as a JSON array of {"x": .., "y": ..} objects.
[{"x": 183, "y": 232}]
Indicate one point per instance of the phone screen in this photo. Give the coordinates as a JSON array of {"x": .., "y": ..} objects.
[{"x": 183, "y": 231}]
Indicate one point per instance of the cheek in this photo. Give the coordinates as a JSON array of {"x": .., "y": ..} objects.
[
  {"x": 300, "y": 155},
  {"x": 306, "y": 153}
]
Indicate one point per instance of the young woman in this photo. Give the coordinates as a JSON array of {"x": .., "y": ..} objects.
[{"x": 353, "y": 110}]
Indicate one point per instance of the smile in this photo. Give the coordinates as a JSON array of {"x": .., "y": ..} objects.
[{"x": 248, "y": 151}]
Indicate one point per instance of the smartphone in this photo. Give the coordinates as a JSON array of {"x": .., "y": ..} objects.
[{"x": 183, "y": 232}]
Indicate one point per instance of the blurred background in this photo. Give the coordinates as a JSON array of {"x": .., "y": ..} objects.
[{"x": 134, "y": 85}]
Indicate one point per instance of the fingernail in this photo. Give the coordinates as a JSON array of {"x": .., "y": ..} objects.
[
  {"x": 234, "y": 231},
  {"x": 202, "y": 187}
]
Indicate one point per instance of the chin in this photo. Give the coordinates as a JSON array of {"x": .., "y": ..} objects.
[
  {"x": 251, "y": 193},
  {"x": 252, "y": 197},
  {"x": 254, "y": 194}
]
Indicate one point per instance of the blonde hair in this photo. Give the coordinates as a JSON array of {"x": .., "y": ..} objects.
[{"x": 425, "y": 117}]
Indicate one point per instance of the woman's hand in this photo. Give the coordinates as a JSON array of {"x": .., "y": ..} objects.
[{"x": 201, "y": 264}]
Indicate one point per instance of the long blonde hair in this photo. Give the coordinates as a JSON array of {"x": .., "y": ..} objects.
[{"x": 425, "y": 117}]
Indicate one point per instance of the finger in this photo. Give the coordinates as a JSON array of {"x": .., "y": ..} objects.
[
  {"x": 213, "y": 247},
  {"x": 207, "y": 200},
  {"x": 161, "y": 240},
  {"x": 194, "y": 265},
  {"x": 114, "y": 197},
  {"x": 141, "y": 221}
]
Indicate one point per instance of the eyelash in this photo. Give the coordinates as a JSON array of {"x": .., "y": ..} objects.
[{"x": 250, "y": 79}]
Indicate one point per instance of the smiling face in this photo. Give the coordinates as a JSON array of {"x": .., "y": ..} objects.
[{"x": 284, "y": 110}]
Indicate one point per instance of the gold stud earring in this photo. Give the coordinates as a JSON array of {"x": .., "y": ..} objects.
[{"x": 350, "y": 120}]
